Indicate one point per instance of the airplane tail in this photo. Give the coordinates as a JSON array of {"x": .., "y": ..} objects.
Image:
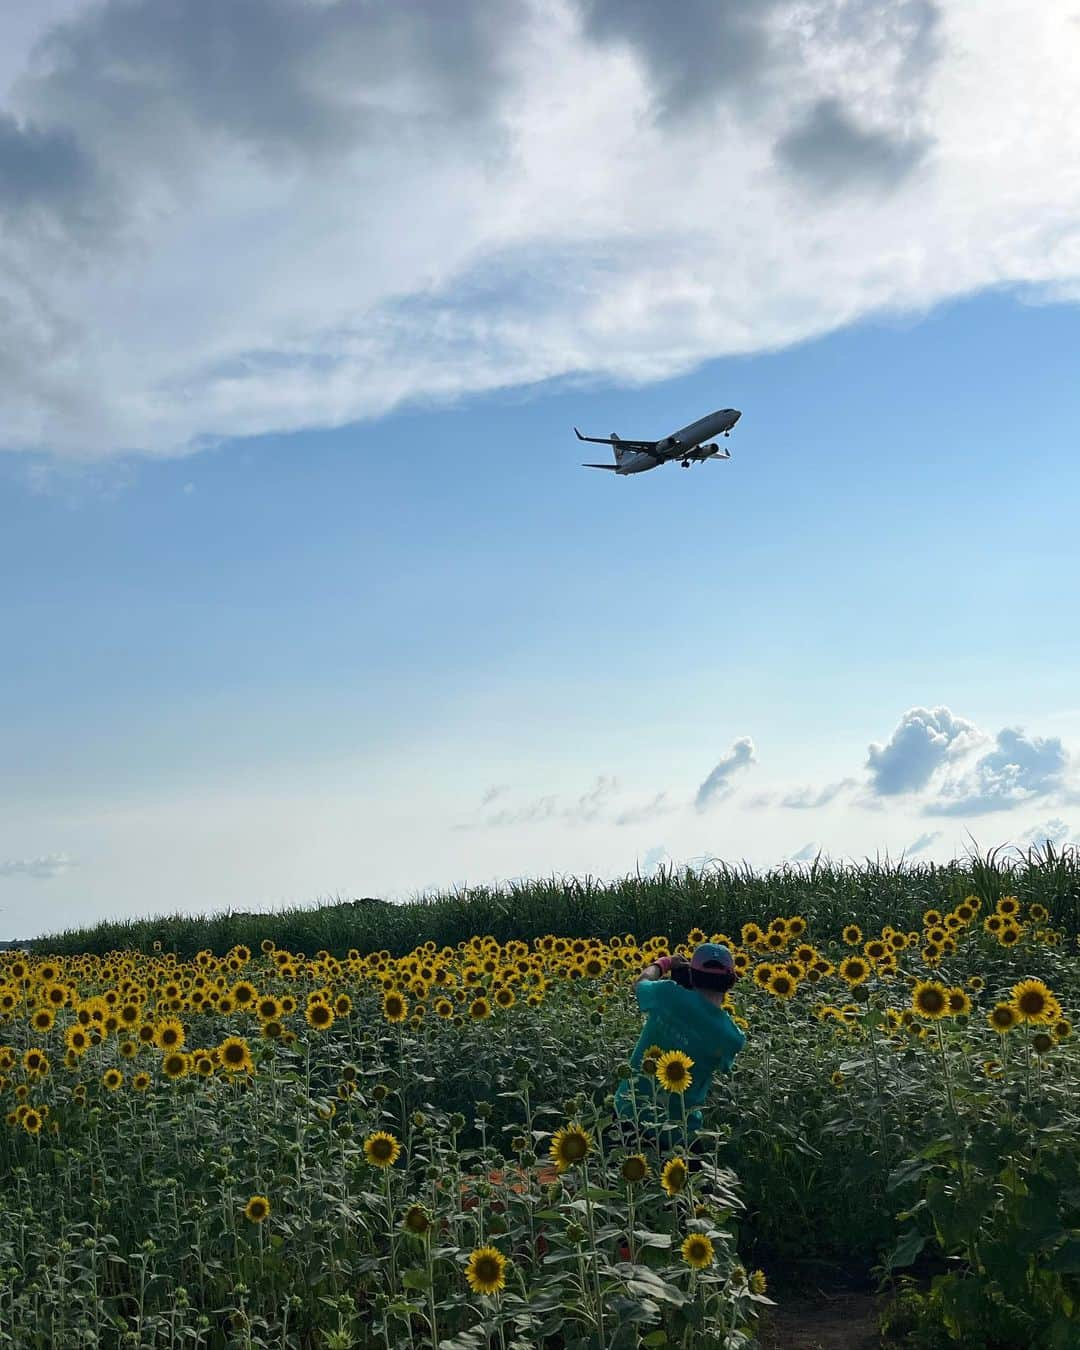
[{"x": 619, "y": 451}]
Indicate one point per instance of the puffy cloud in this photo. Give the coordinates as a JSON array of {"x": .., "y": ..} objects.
[
  {"x": 1019, "y": 769},
  {"x": 223, "y": 220},
  {"x": 924, "y": 841},
  {"x": 39, "y": 869},
  {"x": 806, "y": 853},
  {"x": 923, "y": 741},
  {"x": 718, "y": 784},
  {"x": 831, "y": 151}
]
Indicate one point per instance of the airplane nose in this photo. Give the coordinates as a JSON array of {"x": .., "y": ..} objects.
[{"x": 735, "y": 415}]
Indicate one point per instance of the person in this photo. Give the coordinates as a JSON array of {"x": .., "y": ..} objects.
[{"x": 683, "y": 1012}]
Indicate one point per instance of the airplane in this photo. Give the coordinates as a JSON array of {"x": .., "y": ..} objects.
[{"x": 687, "y": 445}]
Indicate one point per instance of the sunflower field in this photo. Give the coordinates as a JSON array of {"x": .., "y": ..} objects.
[{"x": 260, "y": 1147}]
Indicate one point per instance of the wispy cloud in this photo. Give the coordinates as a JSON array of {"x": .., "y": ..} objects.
[
  {"x": 923, "y": 842},
  {"x": 635, "y": 815},
  {"x": 1054, "y": 831},
  {"x": 809, "y": 798},
  {"x": 39, "y": 869},
  {"x": 718, "y": 784}
]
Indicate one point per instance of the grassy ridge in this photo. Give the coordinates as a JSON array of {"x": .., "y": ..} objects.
[{"x": 719, "y": 896}]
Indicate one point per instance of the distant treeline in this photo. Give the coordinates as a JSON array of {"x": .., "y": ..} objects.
[{"x": 716, "y": 897}]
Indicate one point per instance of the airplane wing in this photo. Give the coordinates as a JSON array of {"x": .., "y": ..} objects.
[
  {"x": 646, "y": 447},
  {"x": 612, "y": 467}
]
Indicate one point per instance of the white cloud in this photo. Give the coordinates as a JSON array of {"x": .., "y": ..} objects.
[
  {"x": 636, "y": 815},
  {"x": 1019, "y": 769},
  {"x": 1054, "y": 830},
  {"x": 222, "y": 220},
  {"x": 809, "y": 799},
  {"x": 923, "y": 842},
  {"x": 805, "y": 854},
  {"x": 40, "y": 869},
  {"x": 718, "y": 783},
  {"x": 655, "y": 858},
  {"x": 923, "y": 741}
]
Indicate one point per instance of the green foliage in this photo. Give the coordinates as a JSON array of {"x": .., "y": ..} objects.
[{"x": 671, "y": 903}]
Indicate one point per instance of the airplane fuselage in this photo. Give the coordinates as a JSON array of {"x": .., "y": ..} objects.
[{"x": 681, "y": 444}]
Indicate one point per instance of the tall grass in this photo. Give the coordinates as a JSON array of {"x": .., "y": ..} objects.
[{"x": 717, "y": 896}]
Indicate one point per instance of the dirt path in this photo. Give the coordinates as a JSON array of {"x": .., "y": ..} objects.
[{"x": 840, "y": 1321}]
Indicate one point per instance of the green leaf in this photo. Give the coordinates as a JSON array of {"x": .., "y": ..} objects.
[{"x": 906, "y": 1250}]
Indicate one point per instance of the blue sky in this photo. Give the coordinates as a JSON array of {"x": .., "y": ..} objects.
[{"x": 329, "y": 606}]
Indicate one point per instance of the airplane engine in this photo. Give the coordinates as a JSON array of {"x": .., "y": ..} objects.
[{"x": 710, "y": 449}]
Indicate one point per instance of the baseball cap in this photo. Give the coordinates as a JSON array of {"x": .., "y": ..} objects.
[{"x": 712, "y": 957}]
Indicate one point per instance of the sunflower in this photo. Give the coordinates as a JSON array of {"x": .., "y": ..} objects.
[
  {"x": 141, "y": 1082},
  {"x": 569, "y": 1146},
  {"x": 112, "y": 1078},
  {"x": 1034, "y": 1002},
  {"x": 417, "y": 1220},
  {"x": 244, "y": 994},
  {"x": 930, "y": 999},
  {"x": 176, "y": 1064},
  {"x": 1042, "y": 1042},
  {"x": 855, "y": 970},
  {"x": 444, "y": 1008},
  {"x": 697, "y": 1251},
  {"x": 836, "y": 1078},
  {"x": 673, "y": 1071},
  {"x": 395, "y": 1006},
  {"x": 782, "y": 984},
  {"x": 479, "y": 1009},
  {"x": 320, "y": 1016},
  {"x": 1010, "y": 934},
  {"x": 758, "y": 1283},
  {"x": 852, "y": 935},
  {"x": 504, "y": 996},
  {"x": 381, "y": 1149},
  {"x": 486, "y": 1270},
  {"x": 169, "y": 1035},
  {"x": 268, "y": 1009},
  {"x": 235, "y": 1055},
  {"x": 76, "y": 1039},
  {"x": 1008, "y": 905},
  {"x": 763, "y": 973},
  {"x": 36, "y": 1061},
  {"x": 959, "y": 1003},
  {"x": 32, "y": 1121},
  {"x": 1063, "y": 1028},
  {"x": 1003, "y": 1017},
  {"x": 975, "y": 983},
  {"x": 634, "y": 1168},
  {"x": 42, "y": 1019},
  {"x": 673, "y": 1177},
  {"x": 257, "y": 1209}
]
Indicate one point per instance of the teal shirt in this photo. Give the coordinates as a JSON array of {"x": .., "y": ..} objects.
[{"x": 677, "y": 1019}]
